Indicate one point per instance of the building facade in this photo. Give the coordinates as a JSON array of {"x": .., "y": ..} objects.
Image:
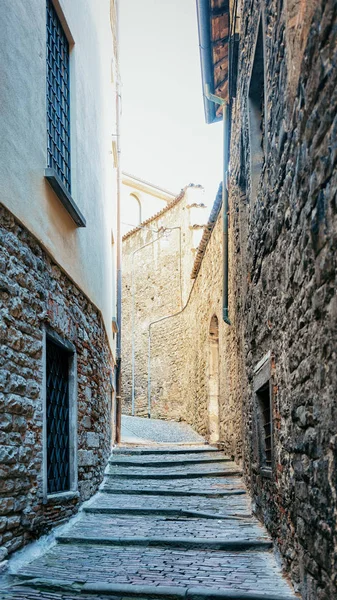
[
  {"x": 157, "y": 260},
  {"x": 263, "y": 386},
  {"x": 274, "y": 65},
  {"x": 58, "y": 231},
  {"x": 140, "y": 201}
]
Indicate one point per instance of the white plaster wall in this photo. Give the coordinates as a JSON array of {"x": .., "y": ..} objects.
[
  {"x": 129, "y": 213},
  {"x": 85, "y": 254}
]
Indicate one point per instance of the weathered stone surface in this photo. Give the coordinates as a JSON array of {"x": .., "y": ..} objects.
[
  {"x": 34, "y": 292},
  {"x": 92, "y": 440},
  {"x": 180, "y": 345},
  {"x": 166, "y": 553},
  {"x": 282, "y": 265},
  {"x": 283, "y": 279}
]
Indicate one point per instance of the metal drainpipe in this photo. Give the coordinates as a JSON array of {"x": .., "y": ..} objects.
[
  {"x": 119, "y": 262},
  {"x": 223, "y": 103},
  {"x": 133, "y": 305}
]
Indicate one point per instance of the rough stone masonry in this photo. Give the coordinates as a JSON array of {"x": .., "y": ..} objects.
[
  {"x": 36, "y": 294},
  {"x": 284, "y": 280},
  {"x": 277, "y": 378}
]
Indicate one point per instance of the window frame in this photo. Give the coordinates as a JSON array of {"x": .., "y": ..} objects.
[
  {"x": 51, "y": 174},
  {"x": 69, "y": 348},
  {"x": 256, "y": 167},
  {"x": 263, "y": 378}
]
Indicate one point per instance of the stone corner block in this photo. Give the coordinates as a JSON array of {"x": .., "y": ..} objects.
[
  {"x": 92, "y": 439},
  {"x": 86, "y": 458}
]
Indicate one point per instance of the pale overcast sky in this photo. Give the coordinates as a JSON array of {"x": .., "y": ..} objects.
[{"x": 165, "y": 139}]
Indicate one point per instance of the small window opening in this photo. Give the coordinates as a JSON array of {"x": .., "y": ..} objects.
[
  {"x": 265, "y": 422},
  {"x": 256, "y": 106},
  {"x": 57, "y": 404}
]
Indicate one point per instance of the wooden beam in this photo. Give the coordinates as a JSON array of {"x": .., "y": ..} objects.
[
  {"x": 218, "y": 12},
  {"x": 220, "y": 42},
  {"x": 223, "y": 83},
  {"x": 221, "y": 61}
]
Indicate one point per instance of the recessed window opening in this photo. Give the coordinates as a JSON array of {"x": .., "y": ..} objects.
[
  {"x": 266, "y": 429},
  {"x": 57, "y": 418},
  {"x": 58, "y": 98},
  {"x": 256, "y": 107}
]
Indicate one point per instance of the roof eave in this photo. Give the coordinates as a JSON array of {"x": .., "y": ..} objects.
[{"x": 206, "y": 59}]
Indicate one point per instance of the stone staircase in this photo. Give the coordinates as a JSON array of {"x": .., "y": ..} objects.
[{"x": 168, "y": 522}]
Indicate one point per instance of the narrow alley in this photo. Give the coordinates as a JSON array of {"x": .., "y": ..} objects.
[
  {"x": 171, "y": 520},
  {"x": 168, "y": 299}
]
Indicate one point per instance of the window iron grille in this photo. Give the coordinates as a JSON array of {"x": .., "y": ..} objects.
[
  {"x": 57, "y": 366},
  {"x": 58, "y": 98}
]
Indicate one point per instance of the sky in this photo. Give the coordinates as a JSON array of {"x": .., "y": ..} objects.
[{"x": 165, "y": 139}]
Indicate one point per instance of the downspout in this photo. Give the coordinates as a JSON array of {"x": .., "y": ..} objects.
[
  {"x": 118, "y": 259},
  {"x": 133, "y": 370},
  {"x": 224, "y": 104}
]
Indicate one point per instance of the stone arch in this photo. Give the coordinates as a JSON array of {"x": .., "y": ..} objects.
[
  {"x": 213, "y": 381},
  {"x": 136, "y": 207}
]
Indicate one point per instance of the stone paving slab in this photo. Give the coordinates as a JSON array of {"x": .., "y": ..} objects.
[
  {"x": 228, "y": 505},
  {"x": 160, "y": 449},
  {"x": 246, "y": 571},
  {"x": 167, "y": 461},
  {"x": 105, "y": 526},
  {"x": 125, "y": 592},
  {"x": 199, "y": 485},
  {"x": 28, "y": 593},
  {"x": 178, "y": 537},
  {"x": 158, "y": 430},
  {"x": 184, "y": 471}
]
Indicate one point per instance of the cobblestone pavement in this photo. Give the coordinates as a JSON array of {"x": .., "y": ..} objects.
[
  {"x": 157, "y": 430},
  {"x": 164, "y": 525}
]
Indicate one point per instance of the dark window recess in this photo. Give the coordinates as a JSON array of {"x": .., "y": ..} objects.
[
  {"x": 256, "y": 105},
  {"x": 266, "y": 426},
  {"x": 57, "y": 419},
  {"x": 58, "y": 97}
]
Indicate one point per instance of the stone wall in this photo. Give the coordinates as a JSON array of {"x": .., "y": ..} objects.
[
  {"x": 157, "y": 261},
  {"x": 181, "y": 344},
  {"x": 282, "y": 304},
  {"x": 284, "y": 281},
  {"x": 36, "y": 293}
]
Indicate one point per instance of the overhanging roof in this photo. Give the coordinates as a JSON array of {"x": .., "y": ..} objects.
[{"x": 214, "y": 35}]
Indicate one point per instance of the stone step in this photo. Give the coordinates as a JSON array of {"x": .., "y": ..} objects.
[
  {"x": 154, "y": 463},
  {"x": 226, "y": 506},
  {"x": 169, "y": 492},
  {"x": 53, "y": 589},
  {"x": 167, "y": 542},
  {"x": 152, "y": 526},
  {"x": 145, "y": 473},
  {"x": 96, "y": 568},
  {"x": 168, "y": 450},
  {"x": 213, "y": 486},
  {"x": 117, "y": 510}
]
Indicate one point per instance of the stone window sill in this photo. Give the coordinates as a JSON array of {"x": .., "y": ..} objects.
[
  {"x": 64, "y": 196},
  {"x": 266, "y": 472},
  {"x": 62, "y": 496}
]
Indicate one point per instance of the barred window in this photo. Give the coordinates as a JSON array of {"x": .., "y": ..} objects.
[{"x": 58, "y": 98}]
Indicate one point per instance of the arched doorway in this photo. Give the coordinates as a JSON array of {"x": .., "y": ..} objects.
[{"x": 213, "y": 381}]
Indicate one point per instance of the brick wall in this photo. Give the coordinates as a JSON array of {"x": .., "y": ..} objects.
[{"x": 35, "y": 293}]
